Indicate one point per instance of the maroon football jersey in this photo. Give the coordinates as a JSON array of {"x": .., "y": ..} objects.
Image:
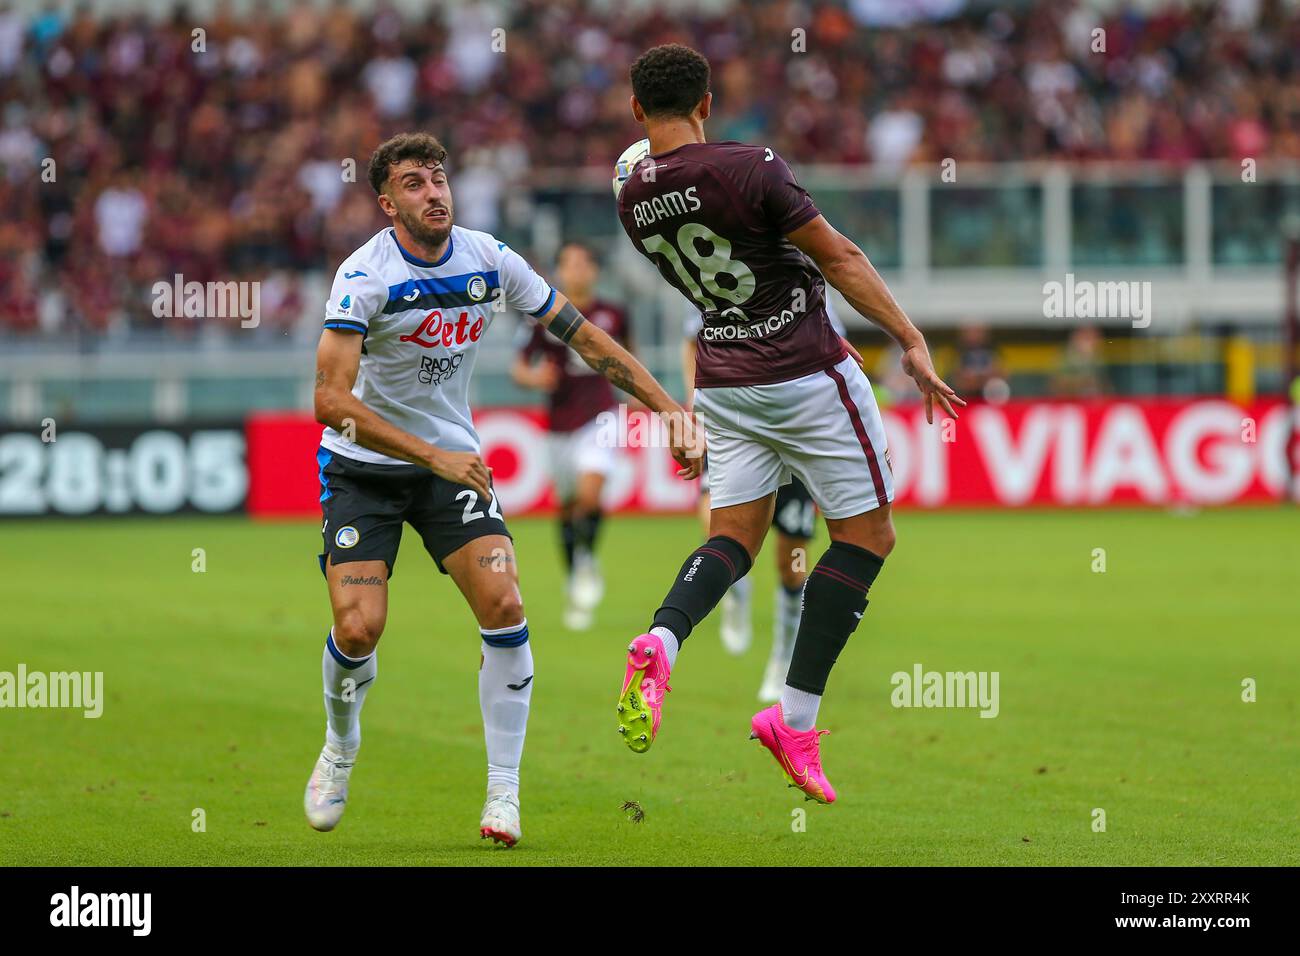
[
  {"x": 713, "y": 218},
  {"x": 582, "y": 393}
]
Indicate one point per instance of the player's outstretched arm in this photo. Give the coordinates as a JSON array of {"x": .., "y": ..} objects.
[
  {"x": 617, "y": 364},
  {"x": 338, "y": 358},
  {"x": 847, "y": 268}
]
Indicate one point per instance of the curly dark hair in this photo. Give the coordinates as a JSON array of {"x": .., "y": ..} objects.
[
  {"x": 670, "y": 80},
  {"x": 423, "y": 147}
]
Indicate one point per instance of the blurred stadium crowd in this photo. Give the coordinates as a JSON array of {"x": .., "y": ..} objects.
[{"x": 225, "y": 163}]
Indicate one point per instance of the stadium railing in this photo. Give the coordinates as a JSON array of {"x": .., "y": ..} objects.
[{"x": 960, "y": 243}]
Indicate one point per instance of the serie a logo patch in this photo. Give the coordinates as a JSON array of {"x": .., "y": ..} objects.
[{"x": 347, "y": 536}]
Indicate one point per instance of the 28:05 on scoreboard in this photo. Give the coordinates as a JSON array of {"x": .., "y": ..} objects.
[{"x": 122, "y": 470}]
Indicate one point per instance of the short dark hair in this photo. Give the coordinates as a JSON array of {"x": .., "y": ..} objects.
[
  {"x": 424, "y": 148},
  {"x": 670, "y": 80},
  {"x": 585, "y": 247}
]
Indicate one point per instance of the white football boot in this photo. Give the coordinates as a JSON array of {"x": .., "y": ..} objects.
[
  {"x": 577, "y": 618},
  {"x": 500, "y": 817},
  {"x": 327, "y": 789}
]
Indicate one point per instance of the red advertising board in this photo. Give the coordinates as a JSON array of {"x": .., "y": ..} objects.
[
  {"x": 1042, "y": 453},
  {"x": 1155, "y": 452}
]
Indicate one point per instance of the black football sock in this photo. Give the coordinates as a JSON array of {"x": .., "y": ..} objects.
[
  {"x": 585, "y": 528},
  {"x": 702, "y": 581},
  {"x": 568, "y": 538},
  {"x": 834, "y": 600}
]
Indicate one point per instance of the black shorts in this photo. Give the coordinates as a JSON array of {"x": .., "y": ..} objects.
[
  {"x": 795, "y": 513},
  {"x": 364, "y": 505}
]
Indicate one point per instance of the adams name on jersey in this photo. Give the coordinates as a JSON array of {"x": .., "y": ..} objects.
[
  {"x": 713, "y": 218},
  {"x": 423, "y": 322}
]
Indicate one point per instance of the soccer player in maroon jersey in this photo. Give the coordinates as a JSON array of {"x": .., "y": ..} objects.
[
  {"x": 776, "y": 390},
  {"x": 794, "y": 518},
  {"x": 581, "y": 456}
]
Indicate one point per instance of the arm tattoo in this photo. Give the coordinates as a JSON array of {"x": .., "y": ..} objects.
[
  {"x": 566, "y": 323},
  {"x": 320, "y": 378},
  {"x": 617, "y": 373}
]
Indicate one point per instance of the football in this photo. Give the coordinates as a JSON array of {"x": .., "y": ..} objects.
[{"x": 627, "y": 162}]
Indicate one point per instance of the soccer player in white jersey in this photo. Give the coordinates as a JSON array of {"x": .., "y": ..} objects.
[{"x": 402, "y": 327}]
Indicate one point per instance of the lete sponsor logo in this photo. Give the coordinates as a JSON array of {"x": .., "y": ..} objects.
[{"x": 433, "y": 331}]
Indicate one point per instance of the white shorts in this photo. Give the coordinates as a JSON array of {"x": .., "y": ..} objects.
[
  {"x": 824, "y": 427},
  {"x": 575, "y": 453}
]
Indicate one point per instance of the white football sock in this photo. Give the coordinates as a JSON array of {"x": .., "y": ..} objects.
[
  {"x": 736, "y": 600},
  {"x": 671, "y": 644},
  {"x": 347, "y": 681},
  {"x": 505, "y": 690},
  {"x": 799, "y": 708},
  {"x": 785, "y": 624}
]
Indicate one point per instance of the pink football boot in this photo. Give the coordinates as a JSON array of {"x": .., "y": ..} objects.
[
  {"x": 797, "y": 751},
  {"x": 641, "y": 703}
]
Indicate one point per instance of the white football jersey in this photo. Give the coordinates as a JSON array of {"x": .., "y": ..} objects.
[{"x": 423, "y": 322}]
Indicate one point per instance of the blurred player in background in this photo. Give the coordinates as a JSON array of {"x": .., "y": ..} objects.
[
  {"x": 979, "y": 371},
  {"x": 777, "y": 390},
  {"x": 576, "y": 395},
  {"x": 794, "y": 518},
  {"x": 403, "y": 324}
]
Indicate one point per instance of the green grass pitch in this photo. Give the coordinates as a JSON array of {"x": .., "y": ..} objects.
[{"x": 1119, "y": 690}]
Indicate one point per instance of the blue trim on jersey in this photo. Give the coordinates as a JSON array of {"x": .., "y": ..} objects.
[
  {"x": 514, "y": 639},
  {"x": 342, "y": 661},
  {"x": 550, "y": 301},
  {"x": 416, "y": 261},
  {"x": 347, "y": 325},
  {"x": 323, "y": 458},
  {"x": 444, "y": 285}
]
